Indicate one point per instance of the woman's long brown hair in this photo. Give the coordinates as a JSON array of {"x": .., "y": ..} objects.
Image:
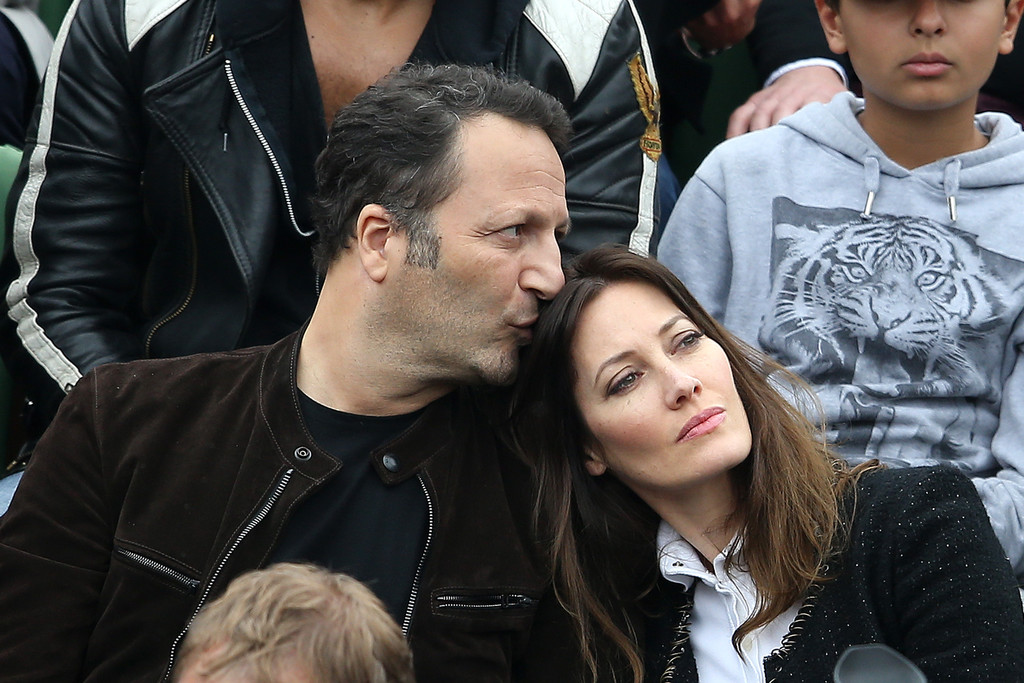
[{"x": 602, "y": 536}]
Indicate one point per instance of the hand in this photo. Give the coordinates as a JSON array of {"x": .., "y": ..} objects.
[
  {"x": 788, "y": 93},
  {"x": 725, "y": 24}
]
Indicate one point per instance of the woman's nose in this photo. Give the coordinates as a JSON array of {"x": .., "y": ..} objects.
[{"x": 680, "y": 386}]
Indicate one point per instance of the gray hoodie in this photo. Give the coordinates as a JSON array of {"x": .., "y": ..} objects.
[{"x": 897, "y": 294}]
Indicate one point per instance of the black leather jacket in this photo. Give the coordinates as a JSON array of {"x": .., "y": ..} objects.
[
  {"x": 162, "y": 177},
  {"x": 162, "y": 480}
]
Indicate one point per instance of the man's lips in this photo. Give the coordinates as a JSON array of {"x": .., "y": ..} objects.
[
  {"x": 525, "y": 330},
  {"x": 702, "y": 423},
  {"x": 927, "y": 64}
]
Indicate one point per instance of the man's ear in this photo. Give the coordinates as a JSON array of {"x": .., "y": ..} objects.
[
  {"x": 1010, "y": 25},
  {"x": 832, "y": 23},
  {"x": 375, "y": 240}
]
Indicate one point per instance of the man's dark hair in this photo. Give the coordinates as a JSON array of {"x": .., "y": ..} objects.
[{"x": 397, "y": 145}]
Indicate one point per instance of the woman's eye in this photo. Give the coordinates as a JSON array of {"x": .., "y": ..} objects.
[
  {"x": 623, "y": 383},
  {"x": 688, "y": 339}
]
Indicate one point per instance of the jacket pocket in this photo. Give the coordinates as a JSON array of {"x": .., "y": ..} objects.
[
  {"x": 493, "y": 602},
  {"x": 159, "y": 569},
  {"x": 483, "y": 609}
]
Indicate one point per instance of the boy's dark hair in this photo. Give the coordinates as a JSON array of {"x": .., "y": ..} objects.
[{"x": 397, "y": 145}]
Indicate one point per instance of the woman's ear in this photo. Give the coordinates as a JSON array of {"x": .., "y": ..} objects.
[{"x": 595, "y": 467}]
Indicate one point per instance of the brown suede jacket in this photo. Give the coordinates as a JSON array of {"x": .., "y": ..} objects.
[{"x": 162, "y": 480}]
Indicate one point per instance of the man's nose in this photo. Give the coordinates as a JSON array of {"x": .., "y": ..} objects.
[{"x": 542, "y": 273}]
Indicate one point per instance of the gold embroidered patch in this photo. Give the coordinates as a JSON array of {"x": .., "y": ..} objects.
[{"x": 650, "y": 104}]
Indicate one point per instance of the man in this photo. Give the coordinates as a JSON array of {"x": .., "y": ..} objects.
[
  {"x": 162, "y": 204},
  {"x": 357, "y": 443},
  {"x": 294, "y": 623}
]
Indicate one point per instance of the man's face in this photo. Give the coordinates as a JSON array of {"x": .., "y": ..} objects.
[{"x": 467, "y": 318}]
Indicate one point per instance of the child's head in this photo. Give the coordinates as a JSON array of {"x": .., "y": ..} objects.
[
  {"x": 295, "y": 623},
  {"x": 921, "y": 54}
]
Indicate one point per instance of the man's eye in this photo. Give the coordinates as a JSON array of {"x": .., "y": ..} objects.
[{"x": 511, "y": 231}]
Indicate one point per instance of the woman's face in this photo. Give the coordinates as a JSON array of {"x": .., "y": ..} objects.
[{"x": 657, "y": 395}]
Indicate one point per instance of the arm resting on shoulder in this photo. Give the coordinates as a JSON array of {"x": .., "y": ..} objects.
[{"x": 786, "y": 35}]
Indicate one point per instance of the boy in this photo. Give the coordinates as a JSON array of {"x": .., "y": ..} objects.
[
  {"x": 295, "y": 623},
  {"x": 891, "y": 276}
]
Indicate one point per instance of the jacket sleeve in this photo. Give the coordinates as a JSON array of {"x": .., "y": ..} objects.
[
  {"x": 786, "y": 31},
  {"x": 594, "y": 57},
  {"x": 55, "y": 544},
  {"x": 73, "y": 262},
  {"x": 957, "y": 605},
  {"x": 1003, "y": 493}
]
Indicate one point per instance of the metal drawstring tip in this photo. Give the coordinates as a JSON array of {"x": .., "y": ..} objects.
[
  {"x": 951, "y": 200},
  {"x": 867, "y": 205},
  {"x": 225, "y": 142}
]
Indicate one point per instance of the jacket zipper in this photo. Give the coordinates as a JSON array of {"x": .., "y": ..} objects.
[
  {"x": 485, "y": 602},
  {"x": 174, "y": 575},
  {"x": 407, "y": 621},
  {"x": 187, "y": 183},
  {"x": 266, "y": 146},
  {"x": 260, "y": 515}
]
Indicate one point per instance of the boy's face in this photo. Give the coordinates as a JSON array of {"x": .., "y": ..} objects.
[{"x": 921, "y": 55}]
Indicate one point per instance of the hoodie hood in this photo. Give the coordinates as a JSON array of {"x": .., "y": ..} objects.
[{"x": 834, "y": 126}]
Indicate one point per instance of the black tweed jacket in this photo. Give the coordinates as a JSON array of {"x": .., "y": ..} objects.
[{"x": 922, "y": 573}]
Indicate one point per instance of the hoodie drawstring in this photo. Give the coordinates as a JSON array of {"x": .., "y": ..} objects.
[
  {"x": 872, "y": 177},
  {"x": 951, "y": 186}
]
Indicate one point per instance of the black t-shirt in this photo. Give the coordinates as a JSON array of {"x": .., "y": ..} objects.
[{"x": 354, "y": 523}]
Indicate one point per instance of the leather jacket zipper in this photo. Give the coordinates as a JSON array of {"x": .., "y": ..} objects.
[
  {"x": 266, "y": 147},
  {"x": 186, "y": 582},
  {"x": 187, "y": 189},
  {"x": 484, "y": 602},
  {"x": 260, "y": 515},
  {"x": 407, "y": 621}
]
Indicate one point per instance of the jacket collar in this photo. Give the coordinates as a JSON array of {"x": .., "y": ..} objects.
[
  {"x": 241, "y": 20},
  {"x": 469, "y": 31},
  {"x": 464, "y": 31},
  {"x": 395, "y": 461}
]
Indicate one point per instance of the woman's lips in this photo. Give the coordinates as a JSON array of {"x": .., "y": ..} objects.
[{"x": 702, "y": 423}]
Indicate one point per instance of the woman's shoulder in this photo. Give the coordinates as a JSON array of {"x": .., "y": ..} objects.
[
  {"x": 902, "y": 482},
  {"x": 908, "y": 497}
]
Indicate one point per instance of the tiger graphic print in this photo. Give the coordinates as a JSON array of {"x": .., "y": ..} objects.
[{"x": 888, "y": 316}]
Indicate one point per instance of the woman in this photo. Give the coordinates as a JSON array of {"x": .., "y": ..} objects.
[{"x": 699, "y": 529}]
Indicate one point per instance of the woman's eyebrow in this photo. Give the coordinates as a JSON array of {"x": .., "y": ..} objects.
[
  {"x": 672, "y": 321},
  {"x": 611, "y": 361}
]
